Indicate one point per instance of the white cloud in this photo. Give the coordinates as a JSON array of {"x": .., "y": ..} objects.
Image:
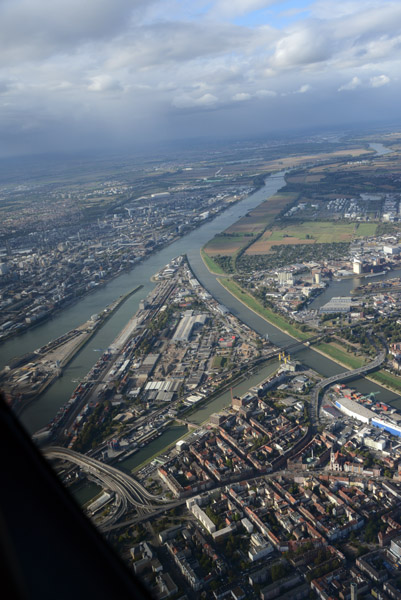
[
  {"x": 303, "y": 89},
  {"x": 68, "y": 60},
  {"x": 241, "y": 96},
  {"x": 104, "y": 83},
  {"x": 379, "y": 80},
  {"x": 301, "y": 47},
  {"x": 187, "y": 101},
  {"x": 351, "y": 85}
]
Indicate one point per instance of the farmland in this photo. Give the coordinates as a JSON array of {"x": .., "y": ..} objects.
[
  {"x": 311, "y": 232},
  {"x": 248, "y": 227}
]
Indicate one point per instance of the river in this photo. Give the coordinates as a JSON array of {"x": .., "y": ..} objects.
[
  {"x": 41, "y": 411},
  {"x": 380, "y": 149}
]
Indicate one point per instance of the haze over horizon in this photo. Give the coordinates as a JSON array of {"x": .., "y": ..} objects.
[{"x": 111, "y": 74}]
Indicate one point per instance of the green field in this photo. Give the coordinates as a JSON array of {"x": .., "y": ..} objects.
[
  {"x": 266, "y": 313},
  {"x": 341, "y": 356},
  {"x": 211, "y": 264},
  {"x": 219, "y": 362},
  {"x": 387, "y": 379},
  {"x": 324, "y": 232},
  {"x": 366, "y": 229}
]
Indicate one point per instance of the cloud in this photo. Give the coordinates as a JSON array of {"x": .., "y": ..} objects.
[
  {"x": 234, "y": 8},
  {"x": 301, "y": 47},
  {"x": 30, "y": 30},
  {"x": 104, "y": 83},
  {"x": 303, "y": 89},
  {"x": 183, "y": 71},
  {"x": 351, "y": 85},
  {"x": 265, "y": 93},
  {"x": 5, "y": 86},
  {"x": 187, "y": 101},
  {"x": 379, "y": 80},
  {"x": 241, "y": 96}
]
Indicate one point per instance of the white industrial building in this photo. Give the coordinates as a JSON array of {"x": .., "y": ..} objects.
[
  {"x": 337, "y": 304},
  {"x": 186, "y": 325},
  {"x": 355, "y": 410}
]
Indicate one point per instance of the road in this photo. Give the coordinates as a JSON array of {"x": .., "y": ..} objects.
[
  {"x": 128, "y": 491},
  {"x": 346, "y": 376}
]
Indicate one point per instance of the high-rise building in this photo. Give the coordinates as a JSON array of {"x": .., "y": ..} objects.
[{"x": 357, "y": 267}]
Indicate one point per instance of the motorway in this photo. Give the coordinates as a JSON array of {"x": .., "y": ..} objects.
[
  {"x": 128, "y": 491},
  {"x": 290, "y": 473}
]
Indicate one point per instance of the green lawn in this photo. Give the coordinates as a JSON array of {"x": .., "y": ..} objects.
[
  {"x": 384, "y": 378},
  {"x": 211, "y": 264},
  {"x": 323, "y": 232},
  {"x": 219, "y": 362},
  {"x": 366, "y": 229},
  {"x": 266, "y": 313},
  {"x": 341, "y": 356},
  {"x": 353, "y": 362}
]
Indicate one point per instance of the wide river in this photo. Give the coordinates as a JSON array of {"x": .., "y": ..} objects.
[{"x": 42, "y": 410}]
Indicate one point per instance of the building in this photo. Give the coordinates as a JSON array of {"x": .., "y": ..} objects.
[
  {"x": 337, "y": 305},
  {"x": 285, "y": 278},
  {"x": 391, "y": 249},
  {"x": 260, "y": 547},
  {"x": 387, "y": 426},
  {"x": 187, "y": 324},
  {"x": 355, "y": 410},
  {"x": 237, "y": 402},
  {"x": 395, "y": 547},
  {"x": 357, "y": 267},
  {"x": 203, "y": 518}
]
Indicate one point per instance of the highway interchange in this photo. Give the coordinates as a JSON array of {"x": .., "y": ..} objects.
[{"x": 128, "y": 491}]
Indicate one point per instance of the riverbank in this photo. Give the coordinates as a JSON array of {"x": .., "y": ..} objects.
[
  {"x": 43, "y": 411},
  {"x": 270, "y": 316},
  {"x": 218, "y": 401},
  {"x": 52, "y": 312},
  {"x": 386, "y": 380},
  {"x": 63, "y": 361},
  {"x": 211, "y": 265}
]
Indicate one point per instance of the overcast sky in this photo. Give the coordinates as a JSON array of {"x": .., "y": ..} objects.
[{"x": 77, "y": 74}]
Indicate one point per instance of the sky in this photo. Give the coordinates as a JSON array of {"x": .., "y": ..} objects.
[{"x": 102, "y": 74}]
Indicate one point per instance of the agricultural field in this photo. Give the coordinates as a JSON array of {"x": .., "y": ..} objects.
[
  {"x": 227, "y": 244},
  {"x": 311, "y": 232},
  {"x": 211, "y": 264},
  {"x": 251, "y": 225},
  {"x": 306, "y": 159}
]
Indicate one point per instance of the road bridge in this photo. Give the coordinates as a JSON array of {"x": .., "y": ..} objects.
[
  {"x": 187, "y": 423},
  {"x": 128, "y": 491},
  {"x": 345, "y": 376}
]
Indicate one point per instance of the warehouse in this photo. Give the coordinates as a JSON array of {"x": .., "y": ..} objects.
[
  {"x": 355, "y": 410},
  {"x": 387, "y": 426}
]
